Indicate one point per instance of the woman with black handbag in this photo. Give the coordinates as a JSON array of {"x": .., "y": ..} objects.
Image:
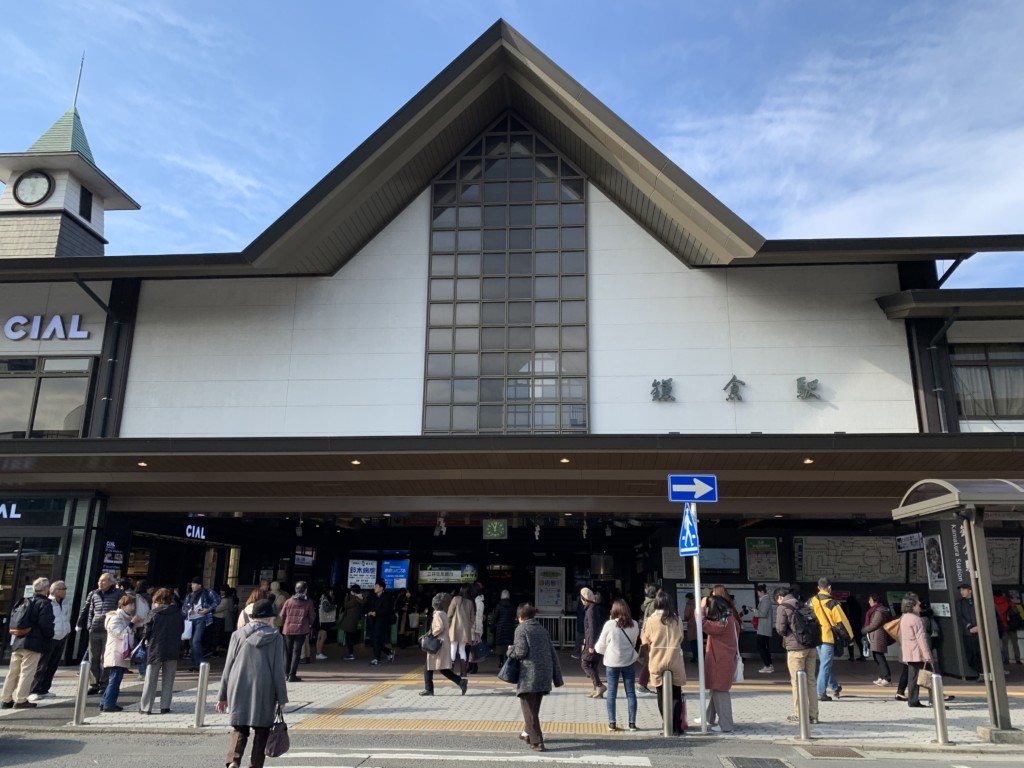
[
  {"x": 538, "y": 671},
  {"x": 439, "y": 660}
]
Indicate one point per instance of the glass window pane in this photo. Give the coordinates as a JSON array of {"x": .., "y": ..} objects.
[
  {"x": 573, "y": 261},
  {"x": 60, "y": 408},
  {"x": 522, "y": 144},
  {"x": 492, "y": 338},
  {"x": 476, "y": 150},
  {"x": 520, "y": 239},
  {"x": 574, "y": 363},
  {"x": 520, "y": 287},
  {"x": 572, "y": 213},
  {"x": 470, "y": 169},
  {"x": 441, "y": 290},
  {"x": 520, "y": 191},
  {"x": 547, "y": 215},
  {"x": 495, "y": 240},
  {"x": 546, "y": 190},
  {"x": 467, "y": 339},
  {"x": 444, "y": 217},
  {"x": 467, "y": 314},
  {"x": 440, "y": 314},
  {"x": 495, "y": 146},
  {"x": 439, "y": 365},
  {"x": 495, "y": 170},
  {"x": 520, "y": 338},
  {"x": 439, "y": 339},
  {"x": 469, "y": 264},
  {"x": 438, "y": 417},
  {"x": 545, "y": 389},
  {"x": 572, "y": 189},
  {"x": 467, "y": 289},
  {"x": 495, "y": 216},
  {"x": 442, "y": 241},
  {"x": 545, "y": 337},
  {"x": 546, "y": 312},
  {"x": 494, "y": 287},
  {"x": 1008, "y": 390},
  {"x": 496, "y": 192},
  {"x": 574, "y": 312},
  {"x": 66, "y": 364},
  {"x": 466, "y": 364},
  {"x": 574, "y": 287},
  {"x": 470, "y": 193},
  {"x": 451, "y": 174},
  {"x": 521, "y": 168},
  {"x": 545, "y": 416},
  {"x": 572, "y": 237},
  {"x": 17, "y": 364},
  {"x": 492, "y": 417},
  {"x": 574, "y": 337},
  {"x": 494, "y": 263},
  {"x": 470, "y": 216},
  {"x": 999, "y": 352},
  {"x": 492, "y": 390},
  {"x": 492, "y": 363},
  {"x": 518, "y": 416},
  {"x": 520, "y": 362},
  {"x": 469, "y": 239},
  {"x": 15, "y": 405},
  {"x": 444, "y": 194},
  {"x": 520, "y": 215},
  {"x": 545, "y": 362},
  {"x": 442, "y": 265},
  {"x": 547, "y": 167},
  {"x": 547, "y": 239},
  {"x": 464, "y": 418},
  {"x": 574, "y": 417},
  {"x": 520, "y": 263},
  {"x": 492, "y": 313},
  {"x": 519, "y": 390},
  {"x": 546, "y": 288},
  {"x": 574, "y": 389},
  {"x": 547, "y": 262},
  {"x": 541, "y": 148},
  {"x": 519, "y": 313},
  {"x": 569, "y": 170},
  {"x": 439, "y": 391},
  {"x": 465, "y": 391}
]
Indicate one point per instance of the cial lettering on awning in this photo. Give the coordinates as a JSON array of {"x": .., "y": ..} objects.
[{"x": 44, "y": 327}]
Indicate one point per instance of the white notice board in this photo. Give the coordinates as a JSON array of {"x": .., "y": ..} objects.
[
  {"x": 549, "y": 589},
  {"x": 672, "y": 565}
]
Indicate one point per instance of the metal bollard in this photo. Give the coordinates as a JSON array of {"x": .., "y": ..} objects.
[
  {"x": 83, "y": 688},
  {"x": 204, "y": 681},
  {"x": 803, "y": 711},
  {"x": 939, "y": 705},
  {"x": 666, "y": 702}
]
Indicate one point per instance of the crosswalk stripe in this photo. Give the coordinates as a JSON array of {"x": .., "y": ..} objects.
[{"x": 626, "y": 761}]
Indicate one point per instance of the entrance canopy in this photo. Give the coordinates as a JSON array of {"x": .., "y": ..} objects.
[{"x": 929, "y": 497}]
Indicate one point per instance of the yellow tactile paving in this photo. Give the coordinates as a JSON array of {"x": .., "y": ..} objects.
[{"x": 336, "y": 722}]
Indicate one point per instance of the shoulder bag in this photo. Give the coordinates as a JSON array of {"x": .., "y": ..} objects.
[
  {"x": 430, "y": 644},
  {"x": 509, "y": 671},
  {"x": 636, "y": 654},
  {"x": 277, "y": 740},
  {"x": 840, "y": 637},
  {"x": 892, "y": 629}
]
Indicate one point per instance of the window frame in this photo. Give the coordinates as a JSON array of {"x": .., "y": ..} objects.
[{"x": 38, "y": 375}]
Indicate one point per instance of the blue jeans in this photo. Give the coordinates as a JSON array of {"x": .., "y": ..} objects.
[
  {"x": 628, "y": 675},
  {"x": 113, "y": 689},
  {"x": 826, "y": 655},
  {"x": 198, "y": 628}
]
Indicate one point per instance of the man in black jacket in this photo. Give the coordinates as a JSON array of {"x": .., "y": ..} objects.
[
  {"x": 98, "y": 603},
  {"x": 28, "y": 649},
  {"x": 967, "y": 618},
  {"x": 381, "y": 613}
]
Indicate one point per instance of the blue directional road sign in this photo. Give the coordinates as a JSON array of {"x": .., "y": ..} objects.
[
  {"x": 689, "y": 544},
  {"x": 702, "y": 488}
]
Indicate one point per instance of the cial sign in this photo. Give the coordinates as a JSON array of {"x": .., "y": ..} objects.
[
  {"x": 9, "y": 512},
  {"x": 44, "y": 327},
  {"x": 195, "y": 532}
]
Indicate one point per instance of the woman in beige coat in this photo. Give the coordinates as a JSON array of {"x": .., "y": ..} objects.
[
  {"x": 663, "y": 635},
  {"x": 461, "y": 614},
  {"x": 442, "y": 660},
  {"x": 118, "y": 623}
]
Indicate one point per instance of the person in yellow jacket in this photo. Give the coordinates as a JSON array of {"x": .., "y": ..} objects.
[{"x": 835, "y": 632}]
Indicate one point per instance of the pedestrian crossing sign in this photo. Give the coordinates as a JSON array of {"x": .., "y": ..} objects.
[{"x": 689, "y": 544}]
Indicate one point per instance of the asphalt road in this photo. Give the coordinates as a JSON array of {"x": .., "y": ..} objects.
[{"x": 62, "y": 750}]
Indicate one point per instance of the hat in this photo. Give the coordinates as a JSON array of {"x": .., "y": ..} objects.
[
  {"x": 262, "y": 609},
  {"x": 505, "y": 594},
  {"x": 196, "y": 580},
  {"x": 964, "y": 585},
  {"x": 587, "y": 594}
]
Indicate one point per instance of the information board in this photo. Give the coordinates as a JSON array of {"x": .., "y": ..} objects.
[
  {"x": 849, "y": 559},
  {"x": 1004, "y": 560},
  {"x": 447, "y": 573},
  {"x": 395, "y": 573},
  {"x": 762, "y": 558},
  {"x": 549, "y": 589},
  {"x": 672, "y": 565},
  {"x": 362, "y": 572}
]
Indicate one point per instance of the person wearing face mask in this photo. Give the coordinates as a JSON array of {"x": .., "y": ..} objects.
[{"x": 118, "y": 623}]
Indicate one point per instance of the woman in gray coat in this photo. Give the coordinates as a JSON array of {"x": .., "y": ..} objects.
[
  {"x": 538, "y": 671},
  {"x": 253, "y": 684}
]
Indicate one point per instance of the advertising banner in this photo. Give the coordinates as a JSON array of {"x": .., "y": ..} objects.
[
  {"x": 362, "y": 572},
  {"x": 395, "y": 573},
  {"x": 549, "y": 589},
  {"x": 447, "y": 573},
  {"x": 762, "y": 559}
]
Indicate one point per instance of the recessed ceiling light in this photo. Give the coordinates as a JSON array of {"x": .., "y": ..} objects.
[
  {"x": 563, "y": 461},
  {"x": 143, "y": 464},
  {"x": 387, "y": 514},
  {"x": 808, "y": 460},
  {"x": 568, "y": 514},
  {"x": 356, "y": 462},
  {"x": 777, "y": 515}
]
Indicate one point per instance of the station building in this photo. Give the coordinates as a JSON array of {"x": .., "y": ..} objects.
[{"x": 475, "y": 350}]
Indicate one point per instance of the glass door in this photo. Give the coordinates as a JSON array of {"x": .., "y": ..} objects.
[{"x": 22, "y": 561}]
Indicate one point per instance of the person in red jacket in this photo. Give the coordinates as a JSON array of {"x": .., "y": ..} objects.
[{"x": 297, "y": 616}]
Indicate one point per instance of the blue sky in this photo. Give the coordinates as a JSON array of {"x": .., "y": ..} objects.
[{"x": 850, "y": 118}]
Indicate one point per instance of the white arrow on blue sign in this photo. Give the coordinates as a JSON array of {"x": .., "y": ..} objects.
[
  {"x": 689, "y": 544},
  {"x": 702, "y": 488}
]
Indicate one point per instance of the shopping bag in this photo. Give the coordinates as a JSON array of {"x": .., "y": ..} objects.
[
  {"x": 126, "y": 645},
  {"x": 187, "y": 634},
  {"x": 509, "y": 671},
  {"x": 737, "y": 676},
  {"x": 277, "y": 740},
  {"x": 924, "y": 678}
]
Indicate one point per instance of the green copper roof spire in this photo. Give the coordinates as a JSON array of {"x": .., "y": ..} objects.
[{"x": 65, "y": 135}]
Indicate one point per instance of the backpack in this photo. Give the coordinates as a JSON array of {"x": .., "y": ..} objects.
[
  {"x": 1014, "y": 621},
  {"x": 21, "y": 619},
  {"x": 805, "y": 626}
]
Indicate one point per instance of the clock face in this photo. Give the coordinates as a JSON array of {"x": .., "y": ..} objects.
[
  {"x": 33, "y": 187},
  {"x": 496, "y": 529}
]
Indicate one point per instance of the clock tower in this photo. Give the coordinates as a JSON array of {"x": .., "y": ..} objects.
[{"x": 54, "y": 199}]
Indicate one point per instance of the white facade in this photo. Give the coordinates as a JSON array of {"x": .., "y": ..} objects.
[
  {"x": 344, "y": 355},
  {"x": 48, "y": 300},
  {"x": 341, "y": 355}
]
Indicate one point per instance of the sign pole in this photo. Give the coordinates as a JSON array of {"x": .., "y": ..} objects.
[{"x": 698, "y": 617}]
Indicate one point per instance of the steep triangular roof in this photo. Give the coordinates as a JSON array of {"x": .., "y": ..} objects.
[
  {"x": 65, "y": 135},
  {"x": 501, "y": 71}
]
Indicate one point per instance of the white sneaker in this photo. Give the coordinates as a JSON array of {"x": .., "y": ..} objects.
[
  {"x": 34, "y": 697},
  {"x": 321, "y": 657},
  {"x": 716, "y": 729},
  {"x": 766, "y": 670}
]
